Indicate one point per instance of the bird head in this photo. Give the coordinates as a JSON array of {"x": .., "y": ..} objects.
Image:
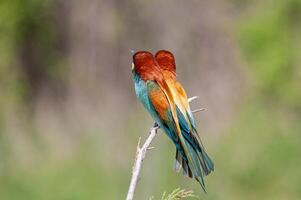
[
  {"x": 145, "y": 65},
  {"x": 166, "y": 60}
]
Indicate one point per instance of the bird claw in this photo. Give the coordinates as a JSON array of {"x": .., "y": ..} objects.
[{"x": 156, "y": 125}]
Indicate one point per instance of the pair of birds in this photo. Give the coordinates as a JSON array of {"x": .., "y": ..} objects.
[{"x": 165, "y": 99}]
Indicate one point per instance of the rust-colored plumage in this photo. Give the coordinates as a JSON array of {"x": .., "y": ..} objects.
[
  {"x": 166, "y": 61},
  {"x": 146, "y": 67}
]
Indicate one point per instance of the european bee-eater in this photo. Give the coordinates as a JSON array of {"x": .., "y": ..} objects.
[{"x": 167, "y": 104}]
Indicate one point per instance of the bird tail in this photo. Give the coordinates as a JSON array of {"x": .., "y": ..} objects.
[
  {"x": 194, "y": 162},
  {"x": 208, "y": 164},
  {"x": 180, "y": 162}
]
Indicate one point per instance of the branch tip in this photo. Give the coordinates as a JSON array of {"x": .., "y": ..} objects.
[
  {"x": 192, "y": 98},
  {"x": 198, "y": 110}
]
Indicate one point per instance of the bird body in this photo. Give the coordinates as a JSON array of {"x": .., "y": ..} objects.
[{"x": 166, "y": 100}]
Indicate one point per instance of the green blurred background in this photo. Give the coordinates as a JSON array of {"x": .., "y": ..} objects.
[{"x": 70, "y": 121}]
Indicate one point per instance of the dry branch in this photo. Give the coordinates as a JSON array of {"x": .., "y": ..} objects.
[{"x": 140, "y": 154}]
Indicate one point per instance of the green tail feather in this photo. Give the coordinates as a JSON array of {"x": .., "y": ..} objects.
[
  {"x": 191, "y": 163},
  {"x": 208, "y": 162}
]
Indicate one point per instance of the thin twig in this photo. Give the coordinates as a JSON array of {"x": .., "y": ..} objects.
[
  {"x": 192, "y": 98},
  {"x": 198, "y": 110},
  {"x": 140, "y": 154}
]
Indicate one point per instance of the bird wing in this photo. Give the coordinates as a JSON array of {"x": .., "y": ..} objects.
[
  {"x": 184, "y": 100},
  {"x": 160, "y": 104},
  {"x": 180, "y": 97},
  {"x": 162, "y": 97},
  {"x": 184, "y": 114},
  {"x": 187, "y": 124}
]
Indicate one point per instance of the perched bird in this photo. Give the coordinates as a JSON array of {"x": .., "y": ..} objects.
[{"x": 160, "y": 97}]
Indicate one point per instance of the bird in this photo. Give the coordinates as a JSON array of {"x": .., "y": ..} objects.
[{"x": 158, "y": 94}]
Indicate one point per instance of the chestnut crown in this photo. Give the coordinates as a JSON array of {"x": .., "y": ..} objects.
[
  {"x": 146, "y": 66},
  {"x": 166, "y": 60}
]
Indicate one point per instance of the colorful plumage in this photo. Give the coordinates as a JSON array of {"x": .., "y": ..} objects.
[{"x": 166, "y": 100}]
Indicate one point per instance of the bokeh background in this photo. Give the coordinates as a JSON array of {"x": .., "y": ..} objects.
[{"x": 70, "y": 121}]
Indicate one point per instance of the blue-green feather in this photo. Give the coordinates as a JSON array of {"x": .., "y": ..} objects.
[{"x": 141, "y": 89}]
